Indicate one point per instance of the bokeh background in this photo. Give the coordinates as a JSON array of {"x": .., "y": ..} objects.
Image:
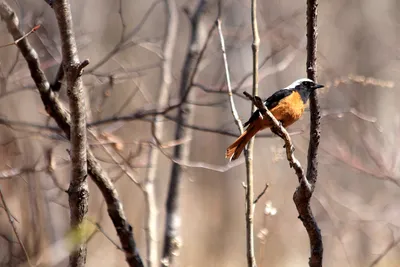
[{"x": 358, "y": 189}]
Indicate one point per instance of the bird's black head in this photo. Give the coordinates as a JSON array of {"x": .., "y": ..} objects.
[{"x": 304, "y": 87}]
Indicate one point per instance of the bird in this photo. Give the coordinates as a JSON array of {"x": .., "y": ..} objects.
[{"x": 287, "y": 105}]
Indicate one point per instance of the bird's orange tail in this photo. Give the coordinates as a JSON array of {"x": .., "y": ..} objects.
[{"x": 234, "y": 150}]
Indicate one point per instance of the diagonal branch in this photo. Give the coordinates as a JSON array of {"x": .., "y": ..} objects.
[
  {"x": 11, "y": 220},
  {"x": 58, "y": 112}
]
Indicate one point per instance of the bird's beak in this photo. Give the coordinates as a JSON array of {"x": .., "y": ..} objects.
[{"x": 317, "y": 86}]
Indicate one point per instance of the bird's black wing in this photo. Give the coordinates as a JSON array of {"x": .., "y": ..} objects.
[
  {"x": 253, "y": 117},
  {"x": 274, "y": 99},
  {"x": 270, "y": 103}
]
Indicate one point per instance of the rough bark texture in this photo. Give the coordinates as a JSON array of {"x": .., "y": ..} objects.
[
  {"x": 302, "y": 195},
  {"x": 57, "y": 111},
  {"x": 78, "y": 190}
]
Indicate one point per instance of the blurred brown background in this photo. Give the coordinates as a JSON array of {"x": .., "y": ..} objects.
[{"x": 358, "y": 190}]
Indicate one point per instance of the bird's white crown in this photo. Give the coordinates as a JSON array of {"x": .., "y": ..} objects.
[{"x": 298, "y": 82}]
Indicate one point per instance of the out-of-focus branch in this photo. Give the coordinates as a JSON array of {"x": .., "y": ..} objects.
[
  {"x": 197, "y": 164},
  {"x": 58, "y": 112},
  {"x": 124, "y": 39},
  {"x": 166, "y": 79},
  {"x": 15, "y": 172},
  {"x": 11, "y": 220},
  {"x": 55, "y": 130},
  {"x": 391, "y": 246},
  {"x": 302, "y": 195},
  {"x": 196, "y": 48}
]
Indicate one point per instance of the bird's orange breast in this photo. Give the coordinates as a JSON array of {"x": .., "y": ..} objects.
[{"x": 289, "y": 109}]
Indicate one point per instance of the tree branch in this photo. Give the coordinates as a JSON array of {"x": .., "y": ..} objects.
[
  {"x": 248, "y": 153},
  {"x": 58, "y": 112},
  {"x": 158, "y": 131},
  {"x": 78, "y": 190},
  {"x": 196, "y": 48},
  {"x": 11, "y": 220},
  {"x": 302, "y": 195}
]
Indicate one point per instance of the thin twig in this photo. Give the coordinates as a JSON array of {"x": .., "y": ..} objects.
[
  {"x": 125, "y": 169},
  {"x": 261, "y": 194},
  {"x": 124, "y": 39},
  {"x": 22, "y": 37},
  {"x": 11, "y": 220},
  {"x": 228, "y": 79},
  {"x": 391, "y": 246},
  {"x": 197, "y": 164}
]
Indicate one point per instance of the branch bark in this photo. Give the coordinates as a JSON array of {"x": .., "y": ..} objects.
[
  {"x": 303, "y": 194},
  {"x": 304, "y": 191},
  {"x": 78, "y": 190},
  {"x": 251, "y": 260},
  {"x": 58, "y": 112}
]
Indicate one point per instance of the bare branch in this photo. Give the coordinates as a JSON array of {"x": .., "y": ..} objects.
[
  {"x": 11, "y": 220},
  {"x": 78, "y": 190},
  {"x": 302, "y": 195},
  {"x": 248, "y": 153},
  {"x": 391, "y": 246},
  {"x": 124, "y": 39},
  {"x": 60, "y": 115},
  {"x": 158, "y": 131},
  {"x": 22, "y": 37},
  {"x": 228, "y": 79},
  {"x": 261, "y": 194},
  {"x": 196, "y": 50}
]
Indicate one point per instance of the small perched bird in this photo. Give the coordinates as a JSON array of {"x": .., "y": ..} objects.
[{"x": 287, "y": 106}]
